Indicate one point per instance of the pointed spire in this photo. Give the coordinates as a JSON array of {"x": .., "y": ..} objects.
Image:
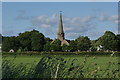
[
  {"x": 60, "y": 30},
  {"x": 61, "y": 36}
]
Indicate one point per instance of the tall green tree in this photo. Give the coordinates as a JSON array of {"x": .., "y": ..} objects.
[
  {"x": 83, "y": 43},
  {"x": 32, "y": 40},
  {"x": 25, "y": 40},
  {"x": 108, "y": 41},
  {"x": 37, "y": 41}
]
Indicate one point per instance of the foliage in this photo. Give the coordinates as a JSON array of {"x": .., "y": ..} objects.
[
  {"x": 47, "y": 39},
  {"x": 47, "y": 46},
  {"x": 25, "y": 40},
  {"x": 10, "y": 43},
  {"x": 60, "y": 67},
  {"x": 108, "y": 41},
  {"x": 65, "y": 47},
  {"x": 118, "y": 44},
  {"x": 72, "y": 46},
  {"x": 32, "y": 41},
  {"x": 83, "y": 43},
  {"x": 37, "y": 41},
  {"x": 55, "y": 45},
  {"x": 63, "y": 53},
  {"x": 10, "y": 70},
  {"x": 19, "y": 50}
]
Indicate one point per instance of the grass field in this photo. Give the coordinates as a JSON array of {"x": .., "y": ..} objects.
[{"x": 62, "y": 66}]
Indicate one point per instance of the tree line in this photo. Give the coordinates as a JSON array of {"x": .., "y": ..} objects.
[{"x": 36, "y": 41}]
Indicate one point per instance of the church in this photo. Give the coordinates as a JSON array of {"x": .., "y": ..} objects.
[{"x": 61, "y": 34}]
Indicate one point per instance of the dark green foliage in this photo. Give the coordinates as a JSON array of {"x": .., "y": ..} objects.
[
  {"x": 118, "y": 44},
  {"x": 10, "y": 70},
  {"x": 83, "y": 43},
  {"x": 72, "y": 46},
  {"x": 93, "y": 45},
  {"x": 46, "y": 67},
  {"x": 25, "y": 40},
  {"x": 65, "y": 48},
  {"x": 108, "y": 41},
  {"x": 56, "y": 45},
  {"x": 10, "y": 43},
  {"x": 47, "y": 39},
  {"x": 37, "y": 41},
  {"x": 64, "y": 53},
  {"x": 47, "y": 46}
]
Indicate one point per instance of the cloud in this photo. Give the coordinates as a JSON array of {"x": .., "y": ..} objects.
[
  {"x": 69, "y": 23},
  {"x": 72, "y": 35},
  {"x": 113, "y": 18},
  {"x": 45, "y": 21},
  {"x": 73, "y": 26},
  {"x": 22, "y": 15},
  {"x": 79, "y": 24}
]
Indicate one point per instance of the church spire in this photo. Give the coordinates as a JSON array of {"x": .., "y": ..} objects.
[{"x": 60, "y": 30}]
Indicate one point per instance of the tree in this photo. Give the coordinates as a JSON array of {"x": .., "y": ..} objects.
[
  {"x": 65, "y": 47},
  {"x": 47, "y": 39},
  {"x": 32, "y": 40},
  {"x": 37, "y": 41},
  {"x": 83, "y": 43},
  {"x": 93, "y": 45},
  {"x": 47, "y": 44},
  {"x": 56, "y": 45},
  {"x": 6, "y": 46},
  {"x": 72, "y": 46},
  {"x": 25, "y": 40},
  {"x": 10, "y": 43},
  {"x": 108, "y": 41},
  {"x": 118, "y": 44}
]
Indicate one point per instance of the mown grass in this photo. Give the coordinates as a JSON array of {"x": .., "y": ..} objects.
[{"x": 68, "y": 66}]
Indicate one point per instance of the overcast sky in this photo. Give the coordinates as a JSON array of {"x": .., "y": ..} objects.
[{"x": 90, "y": 19}]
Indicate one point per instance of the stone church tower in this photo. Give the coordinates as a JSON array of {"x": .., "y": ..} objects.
[{"x": 61, "y": 35}]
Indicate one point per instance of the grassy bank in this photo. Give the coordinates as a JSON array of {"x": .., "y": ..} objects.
[{"x": 69, "y": 66}]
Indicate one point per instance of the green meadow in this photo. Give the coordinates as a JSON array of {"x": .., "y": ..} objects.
[{"x": 60, "y": 66}]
